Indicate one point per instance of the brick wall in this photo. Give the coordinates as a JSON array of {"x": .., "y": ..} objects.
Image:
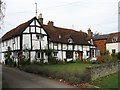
[{"x": 101, "y": 44}]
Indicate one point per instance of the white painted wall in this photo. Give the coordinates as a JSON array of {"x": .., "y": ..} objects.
[
  {"x": 70, "y": 47},
  {"x": 110, "y": 46},
  {"x": 59, "y": 46},
  {"x": 59, "y": 55},
  {"x": 44, "y": 43},
  {"x": 32, "y": 55}
]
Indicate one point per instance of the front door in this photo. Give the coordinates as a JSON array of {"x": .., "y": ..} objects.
[{"x": 80, "y": 55}]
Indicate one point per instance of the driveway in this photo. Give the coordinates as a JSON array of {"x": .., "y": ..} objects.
[{"x": 20, "y": 79}]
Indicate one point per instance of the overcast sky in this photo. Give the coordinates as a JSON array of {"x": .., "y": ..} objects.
[{"x": 101, "y": 16}]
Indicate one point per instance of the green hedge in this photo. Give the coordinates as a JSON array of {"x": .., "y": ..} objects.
[{"x": 72, "y": 77}]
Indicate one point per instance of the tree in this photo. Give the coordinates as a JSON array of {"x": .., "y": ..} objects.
[
  {"x": 2, "y": 13},
  {"x": 8, "y": 59}
]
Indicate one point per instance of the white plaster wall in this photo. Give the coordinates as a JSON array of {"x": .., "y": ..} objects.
[
  {"x": 75, "y": 47},
  {"x": 26, "y": 41},
  {"x": 59, "y": 46},
  {"x": 35, "y": 42},
  {"x": 110, "y": 46},
  {"x": 55, "y": 47},
  {"x": 51, "y": 45},
  {"x": 79, "y": 47},
  {"x": 64, "y": 46},
  {"x": 70, "y": 47},
  {"x": 32, "y": 56},
  {"x": 64, "y": 55},
  {"x": 86, "y": 48},
  {"x": 59, "y": 55},
  {"x": 75, "y": 55},
  {"x": 44, "y": 43},
  {"x": 27, "y": 30}
]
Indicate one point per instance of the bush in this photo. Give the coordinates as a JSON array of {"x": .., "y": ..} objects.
[
  {"x": 118, "y": 56},
  {"x": 25, "y": 62},
  {"x": 72, "y": 77}
]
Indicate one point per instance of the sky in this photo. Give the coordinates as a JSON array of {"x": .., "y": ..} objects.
[{"x": 99, "y": 15}]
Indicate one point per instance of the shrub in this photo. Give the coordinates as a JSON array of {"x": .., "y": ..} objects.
[
  {"x": 25, "y": 62},
  {"x": 118, "y": 56},
  {"x": 72, "y": 77}
]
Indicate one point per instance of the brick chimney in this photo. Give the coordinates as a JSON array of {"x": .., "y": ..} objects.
[
  {"x": 90, "y": 33},
  {"x": 51, "y": 23},
  {"x": 40, "y": 18}
]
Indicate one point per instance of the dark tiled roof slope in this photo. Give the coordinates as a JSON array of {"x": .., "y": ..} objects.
[
  {"x": 77, "y": 37},
  {"x": 100, "y": 37},
  {"x": 56, "y": 34},
  {"x": 108, "y": 37},
  {"x": 16, "y": 31},
  {"x": 113, "y": 35}
]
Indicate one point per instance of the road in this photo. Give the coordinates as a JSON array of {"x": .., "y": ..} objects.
[{"x": 20, "y": 79}]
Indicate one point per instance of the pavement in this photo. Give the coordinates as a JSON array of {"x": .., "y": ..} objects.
[{"x": 20, "y": 79}]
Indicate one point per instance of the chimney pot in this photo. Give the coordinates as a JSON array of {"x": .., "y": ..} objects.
[
  {"x": 90, "y": 33},
  {"x": 51, "y": 23},
  {"x": 40, "y": 18}
]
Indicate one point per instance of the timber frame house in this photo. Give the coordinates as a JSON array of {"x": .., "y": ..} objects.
[{"x": 33, "y": 37}]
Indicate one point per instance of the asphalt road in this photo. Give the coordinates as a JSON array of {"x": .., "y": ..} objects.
[{"x": 20, "y": 79}]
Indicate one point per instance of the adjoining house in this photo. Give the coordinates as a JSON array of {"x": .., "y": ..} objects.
[
  {"x": 113, "y": 42},
  {"x": 100, "y": 42},
  {"x": 108, "y": 42},
  {"x": 33, "y": 37}
]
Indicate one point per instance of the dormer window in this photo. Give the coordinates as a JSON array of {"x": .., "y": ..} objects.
[
  {"x": 114, "y": 39},
  {"x": 70, "y": 40},
  {"x": 59, "y": 36}
]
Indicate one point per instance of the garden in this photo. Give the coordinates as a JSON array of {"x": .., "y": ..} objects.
[{"x": 73, "y": 72}]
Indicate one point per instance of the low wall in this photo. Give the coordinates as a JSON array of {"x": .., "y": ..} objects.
[{"x": 103, "y": 70}]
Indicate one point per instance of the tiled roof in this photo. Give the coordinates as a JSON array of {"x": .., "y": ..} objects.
[
  {"x": 56, "y": 34},
  {"x": 16, "y": 31},
  {"x": 108, "y": 37},
  {"x": 114, "y": 36},
  {"x": 100, "y": 37}
]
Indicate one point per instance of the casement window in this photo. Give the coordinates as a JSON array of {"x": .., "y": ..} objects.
[
  {"x": 87, "y": 53},
  {"x": 55, "y": 44},
  {"x": 39, "y": 36},
  {"x": 55, "y": 54},
  {"x": 92, "y": 52},
  {"x": 114, "y": 39},
  {"x": 69, "y": 54},
  {"x": 113, "y": 51},
  {"x": 37, "y": 55}
]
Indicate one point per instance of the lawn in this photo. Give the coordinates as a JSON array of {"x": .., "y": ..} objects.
[
  {"x": 70, "y": 67},
  {"x": 110, "y": 81},
  {"x": 72, "y": 72}
]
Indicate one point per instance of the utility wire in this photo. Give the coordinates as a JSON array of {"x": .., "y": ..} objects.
[{"x": 57, "y": 6}]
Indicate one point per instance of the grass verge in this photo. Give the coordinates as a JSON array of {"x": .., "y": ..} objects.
[
  {"x": 72, "y": 72},
  {"x": 112, "y": 81}
]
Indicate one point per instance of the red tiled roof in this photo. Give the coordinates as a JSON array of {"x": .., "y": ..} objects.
[{"x": 78, "y": 37}]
